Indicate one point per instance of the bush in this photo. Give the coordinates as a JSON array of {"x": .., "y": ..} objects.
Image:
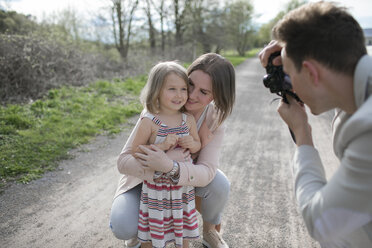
[{"x": 31, "y": 65}]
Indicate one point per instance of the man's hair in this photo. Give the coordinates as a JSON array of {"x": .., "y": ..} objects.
[
  {"x": 222, "y": 74},
  {"x": 150, "y": 93},
  {"x": 324, "y": 32}
]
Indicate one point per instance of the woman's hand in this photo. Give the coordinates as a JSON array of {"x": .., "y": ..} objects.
[
  {"x": 154, "y": 158},
  {"x": 179, "y": 154}
]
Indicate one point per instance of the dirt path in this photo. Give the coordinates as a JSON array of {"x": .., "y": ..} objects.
[{"x": 70, "y": 207}]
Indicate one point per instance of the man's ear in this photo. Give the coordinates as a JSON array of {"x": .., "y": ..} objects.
[{"x": 312, "y": 70}]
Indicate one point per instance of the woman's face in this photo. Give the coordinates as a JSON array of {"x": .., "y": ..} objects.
[{"x": 200, "y": 91}]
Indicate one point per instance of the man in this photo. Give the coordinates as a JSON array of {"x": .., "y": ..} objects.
[{"x": 323, "y": 52}]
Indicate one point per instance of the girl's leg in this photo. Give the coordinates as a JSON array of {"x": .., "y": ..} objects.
[
  {"x": 124, "y": 214},
  {"x": 146, "y": 245},
  {"x": 185, "y": 243}
]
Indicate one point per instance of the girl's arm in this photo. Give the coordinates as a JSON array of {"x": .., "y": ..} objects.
[
  {"x": 192, "y": 141},
  {"x": 143, "y": 135},
  {"x": 128, "y": 164}
]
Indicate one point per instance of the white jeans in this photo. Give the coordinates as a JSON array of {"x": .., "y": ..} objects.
[{"x": 125, "y": 208}]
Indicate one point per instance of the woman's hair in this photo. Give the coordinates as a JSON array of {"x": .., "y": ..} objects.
[
  {"x": 222, "y": 74},
  {"x": 324, "y": 32},
  {"x": 156, "y": 78}
]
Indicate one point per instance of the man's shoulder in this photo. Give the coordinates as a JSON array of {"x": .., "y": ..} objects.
[{"x": 359, "y": 123}]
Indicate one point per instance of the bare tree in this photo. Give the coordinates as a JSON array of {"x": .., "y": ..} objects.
[
  {"x": 160, "y": 8},
  {"x": 180, "y": 12},
  {"x": 122, "y": 13},
  {"x": 152, "y": 30},
  {"x": 69, "y": 20}
]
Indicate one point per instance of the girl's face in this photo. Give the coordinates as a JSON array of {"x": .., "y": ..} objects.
[
  {"x": 200, "y": 91},
  {"x": 173, "y": 94}
]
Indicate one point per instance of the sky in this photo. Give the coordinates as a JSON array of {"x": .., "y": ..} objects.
[{"x": 265, "y": 9}]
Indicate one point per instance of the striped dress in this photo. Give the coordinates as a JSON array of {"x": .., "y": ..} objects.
[{"x": 167, "y": 211}]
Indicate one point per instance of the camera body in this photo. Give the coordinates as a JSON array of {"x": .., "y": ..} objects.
[{"x": 277, "y": 81}]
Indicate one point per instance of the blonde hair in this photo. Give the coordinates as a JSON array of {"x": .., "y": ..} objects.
[{"x": 156, "y": 78}]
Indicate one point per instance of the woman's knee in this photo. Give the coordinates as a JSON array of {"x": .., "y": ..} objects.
[
  {"x": 220, "y": 186},
  {"x": 214, "y": 198},
  {"x": 124, "y": 215},
  {"x": 122, "y": 227}
]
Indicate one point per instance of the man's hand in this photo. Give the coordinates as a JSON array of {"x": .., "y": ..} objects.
[
  {"x": 265, "y": 53},
  {"x": 294, "y": 114}
]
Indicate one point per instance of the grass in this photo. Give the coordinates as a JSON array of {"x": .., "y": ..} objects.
[
  {"x": 33, "y": 137},
  {"x": 235, "y": 59}
]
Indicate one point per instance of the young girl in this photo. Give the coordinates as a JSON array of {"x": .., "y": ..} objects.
[{"x": 167, "y": 211}]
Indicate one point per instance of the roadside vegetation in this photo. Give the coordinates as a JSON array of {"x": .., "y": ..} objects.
[
  {"x": 66, "y": 80},
  {"x": 35, "y": 136}
]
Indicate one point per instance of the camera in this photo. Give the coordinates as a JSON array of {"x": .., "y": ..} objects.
[{"x": 277, "y": 81}]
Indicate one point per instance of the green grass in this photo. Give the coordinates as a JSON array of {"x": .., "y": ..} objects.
[
  {"x": 33, "y": 137},
  {"x": 234, "y": 58}
]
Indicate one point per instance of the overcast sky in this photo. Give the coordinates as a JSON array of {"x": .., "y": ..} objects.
[{"x": 265, "y": 9}]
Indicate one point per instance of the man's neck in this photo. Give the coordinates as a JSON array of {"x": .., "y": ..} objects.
[{"x": 343, "y": 91}]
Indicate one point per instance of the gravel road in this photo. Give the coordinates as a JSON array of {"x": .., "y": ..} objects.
[{"x": 70, "y": 207}]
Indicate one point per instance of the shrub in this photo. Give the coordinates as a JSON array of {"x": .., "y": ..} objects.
[{"x": 31, "y": 65}]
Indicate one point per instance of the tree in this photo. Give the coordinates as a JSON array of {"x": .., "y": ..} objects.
[
  {"x": 264, "y": 34},
  {"x": 4, "y": 4},
  {"x": 122, "y": 13},
  {"x": 68, "y": 22},
  {"x": 12, "y": 22},
  {"x": 238, "y": 19},
  {"x": 180, "y": 12},
  {"x": 204, "y": 20},
  {"x": 152, "y": 30},
  {"x": 160, "y": 8}
]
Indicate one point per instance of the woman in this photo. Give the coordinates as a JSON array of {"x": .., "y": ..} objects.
[{"x": 211, "y": 79}]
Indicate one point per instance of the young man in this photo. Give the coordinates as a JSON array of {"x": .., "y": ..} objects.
[{"x": 323, "y": 52}]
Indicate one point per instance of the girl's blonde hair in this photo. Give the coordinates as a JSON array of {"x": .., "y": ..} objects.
[{"x": 150, "y": 93}]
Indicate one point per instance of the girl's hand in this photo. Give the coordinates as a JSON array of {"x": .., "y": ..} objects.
[
  {"x": 171, "y": 140},
  {"x": 186, "y": 142},
  {"x": 154, "y": 158}
]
